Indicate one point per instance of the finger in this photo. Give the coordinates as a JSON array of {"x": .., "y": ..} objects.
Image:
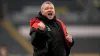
[{"x": 69, "y": 36}]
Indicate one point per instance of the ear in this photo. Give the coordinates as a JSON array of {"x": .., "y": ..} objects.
[{"x": 41, "y": 12}]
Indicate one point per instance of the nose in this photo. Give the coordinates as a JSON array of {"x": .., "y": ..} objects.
[{"x": 49, "y": 10}]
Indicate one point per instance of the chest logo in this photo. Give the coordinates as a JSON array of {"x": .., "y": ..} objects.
[{"x": 48, "y": 28}]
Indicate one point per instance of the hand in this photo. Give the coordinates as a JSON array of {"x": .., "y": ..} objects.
[
  {"x": 41, "y": 26},
  {"x": 69, "y": 38}
]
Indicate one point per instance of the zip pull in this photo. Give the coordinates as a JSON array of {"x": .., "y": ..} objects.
[{"x": 48, "y": 28}]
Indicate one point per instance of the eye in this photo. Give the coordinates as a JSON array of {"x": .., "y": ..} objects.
[
  {"x": 51, "y": 7},
  {"x": 46, "y": 8}
]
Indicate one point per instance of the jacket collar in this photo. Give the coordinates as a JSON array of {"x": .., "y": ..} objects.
[{"x": 44, "y": 18}]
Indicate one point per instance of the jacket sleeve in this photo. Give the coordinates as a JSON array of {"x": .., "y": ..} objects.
[
  {"x": 38, "y": 37},
  {"x": 65, "y": 34}
]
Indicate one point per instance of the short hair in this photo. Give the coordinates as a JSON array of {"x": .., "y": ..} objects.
[{"x": 46, "y": 2}]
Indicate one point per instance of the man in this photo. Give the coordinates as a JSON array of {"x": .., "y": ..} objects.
[{"x": 49, "y": 36}]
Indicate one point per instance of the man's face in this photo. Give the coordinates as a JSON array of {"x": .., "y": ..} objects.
[{"x": 48, "y": 11}]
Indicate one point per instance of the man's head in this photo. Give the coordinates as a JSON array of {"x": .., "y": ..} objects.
[
  {"x": 3, "y": 50},
  {"x": 48, "y": 10}
]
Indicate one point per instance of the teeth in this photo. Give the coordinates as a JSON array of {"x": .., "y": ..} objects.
[{"x": 50, "y": 14}]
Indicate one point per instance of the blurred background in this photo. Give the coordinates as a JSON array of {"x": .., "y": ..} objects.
[{"x": 82, "y": 18}]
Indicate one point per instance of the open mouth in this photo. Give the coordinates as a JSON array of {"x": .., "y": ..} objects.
[{"x": 50, "y": 14}]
